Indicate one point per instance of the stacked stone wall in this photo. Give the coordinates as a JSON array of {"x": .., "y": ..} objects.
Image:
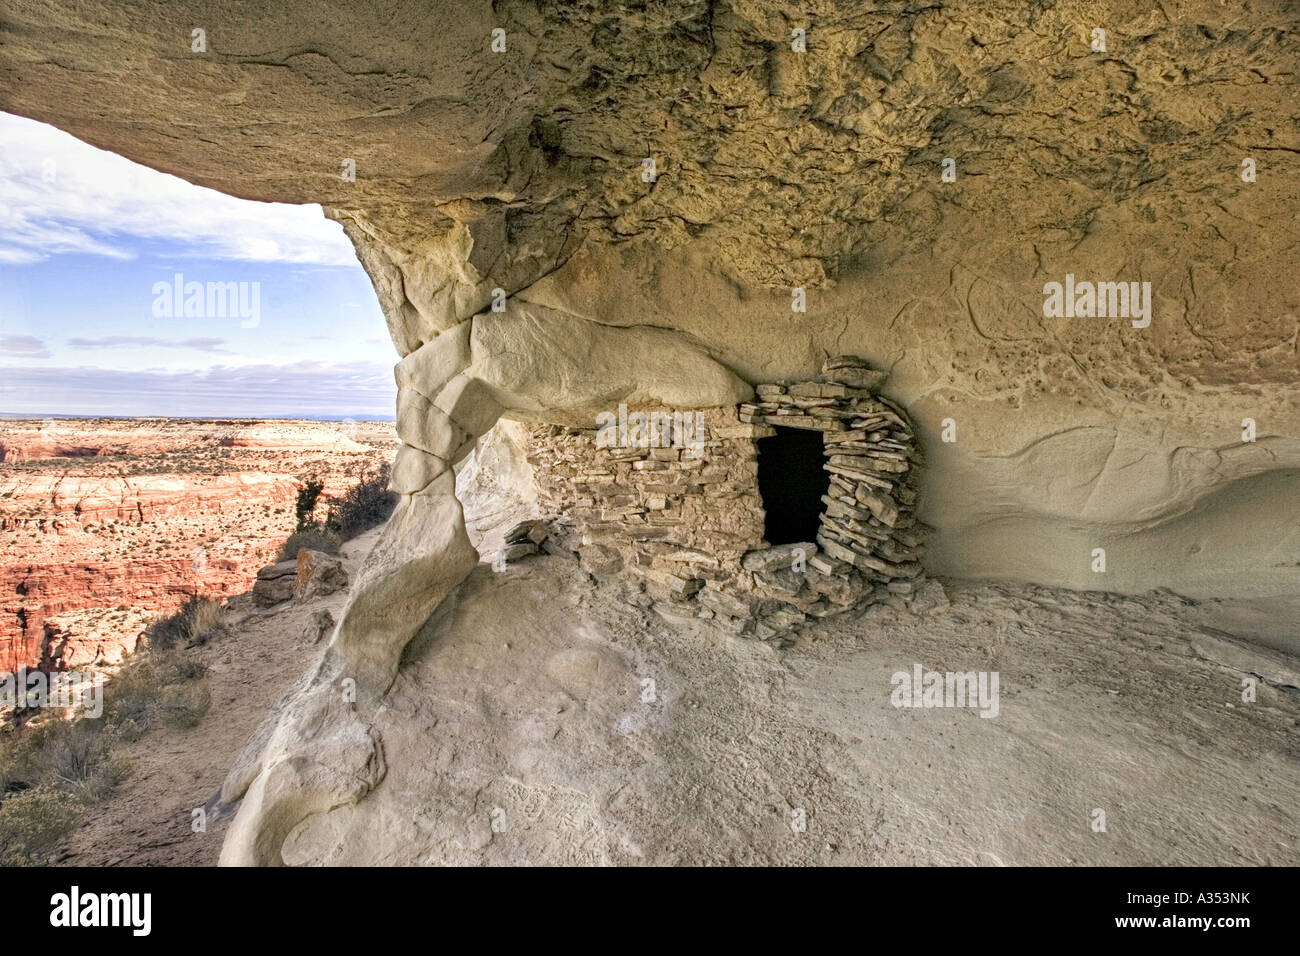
[{"x": 668, "y": 501}]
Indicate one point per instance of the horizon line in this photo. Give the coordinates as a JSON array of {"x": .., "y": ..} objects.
[{"x": 29, "y": 416}]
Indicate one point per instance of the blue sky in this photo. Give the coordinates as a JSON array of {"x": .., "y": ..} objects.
[{"x": 91, "y": 246}]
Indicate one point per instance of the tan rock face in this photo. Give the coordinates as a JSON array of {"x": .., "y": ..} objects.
[
  {"x": 523, "y": 170},
  {"x": 655, "y": 191}
]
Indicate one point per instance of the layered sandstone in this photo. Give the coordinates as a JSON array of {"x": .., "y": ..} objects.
[{"x": 92, "y": 546}]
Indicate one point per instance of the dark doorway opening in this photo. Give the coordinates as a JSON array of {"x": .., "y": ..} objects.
[{"x": 791, "y": 481}]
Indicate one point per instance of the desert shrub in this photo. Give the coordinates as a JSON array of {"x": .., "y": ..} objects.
[
  {"x": 166, "y": 632},
  {"x": 176, "y": 668},
  {"x": 10, "y": 772},
  {"x": 69, "y": 751},
  {"x": 205, "y": 618},
  {"x": 183, "y": 705},
  {"x": 366, "y": 504},
  {"x": 308, "y": 495},
  {"x": 33, "y": 821},
  {"x": 139, "y": 691},
  {"x": 130, "y": 696},
  {"x": 73, "y": 756},
  {"x": 195, "y": 623},
  {"x": 316, "y": 538}
]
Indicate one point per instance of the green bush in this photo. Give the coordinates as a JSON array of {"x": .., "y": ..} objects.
[
  {"x": 315, "y": 539},
  {"x": 195, "y": 623},
  {"x": 365, "y": 505},
  {"x": 308, "y": 495},
  {"x": 183, "y": 705},
  {"x": 32, "y": 823}
]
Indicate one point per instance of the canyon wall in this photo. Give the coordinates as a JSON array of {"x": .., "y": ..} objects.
[{"x": 105, "y": 524}]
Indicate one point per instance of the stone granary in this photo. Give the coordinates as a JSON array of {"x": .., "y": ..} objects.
[
  {"x": 800, "y": 505},
  {"x": 568, "y": 208}
]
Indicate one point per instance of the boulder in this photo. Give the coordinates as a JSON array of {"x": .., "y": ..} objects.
[
  {"x": 275, "y": 583},
  {"x": 318, "y": 574}
]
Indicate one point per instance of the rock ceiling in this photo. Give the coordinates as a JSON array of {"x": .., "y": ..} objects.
[{"x": 822, "y": 169}]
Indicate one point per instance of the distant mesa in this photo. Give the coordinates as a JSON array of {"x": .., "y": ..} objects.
[
  {"x": 38, "y": 450},
  {"x": 22, "y": 441},
  {"x": 296, "y": 437}
]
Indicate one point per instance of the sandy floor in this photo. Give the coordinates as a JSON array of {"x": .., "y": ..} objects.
[{"x": 549, "y": 728}]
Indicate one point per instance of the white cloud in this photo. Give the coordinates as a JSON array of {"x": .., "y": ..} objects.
[
  {"x": 139, "y": 341},
  {"x": 59, "y": 195},
  {"x": 299, "y": 389},
  {"x": 28, "y": 346}
]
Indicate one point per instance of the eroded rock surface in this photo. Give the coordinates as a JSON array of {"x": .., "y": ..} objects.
[
  {"x": 522, "y": 170},
  {"x": 652, "y": 187}
]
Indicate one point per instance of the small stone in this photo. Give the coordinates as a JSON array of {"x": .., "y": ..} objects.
[
  {"x": 534, "y": 531},
  {"x": 783, "y": 581},
  {"x": 725, "y": 605},
  {"x": 838, "y": 551},
  {"x": 320, "y": 624},
  {"x": 852, "y": 435},
  {"x": 866, "y": 379},
  {"x": 672, "y": 583},
  {"x": 513, "y": 552},
  {"x": 880, "y": 505},
  {"x": 551, "y": 546},
  {"x": 674, "y": 613},
  {"x": 824, "y": 564},
  {"x": 781, "y": 557},
  {"x": 928, "y": 597},
  {"x": 599, "y": 561},
  {"x": 784, "y": 618}
]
